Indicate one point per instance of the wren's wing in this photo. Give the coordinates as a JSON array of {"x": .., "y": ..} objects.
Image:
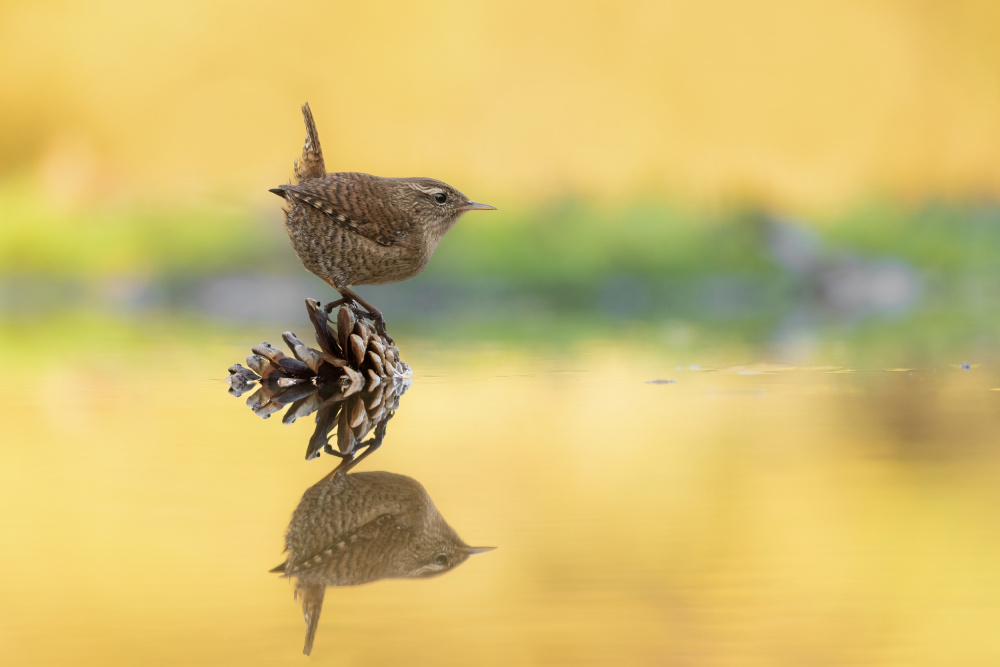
[
  {"x": 353, "y": 201},
  {"x": 342, "y": 547}
]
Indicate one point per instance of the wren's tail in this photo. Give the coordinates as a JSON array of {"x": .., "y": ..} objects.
[
  {"x": 311, "y": 165},
  {"x": 312, "y": 604}
]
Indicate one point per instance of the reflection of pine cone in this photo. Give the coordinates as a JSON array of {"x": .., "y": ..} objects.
[
  {"x": 354, "y": 411},
  {"x": 354, "y": 416}
]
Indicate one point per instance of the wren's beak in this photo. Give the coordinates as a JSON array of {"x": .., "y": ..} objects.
[
  {"x": 478, "y": 550},
  {"x": 473, "y": 206}
]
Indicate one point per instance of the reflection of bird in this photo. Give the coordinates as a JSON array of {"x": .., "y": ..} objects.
[
  {"x": 357, "y": 229},
  {"x": 357, "y": 528}
]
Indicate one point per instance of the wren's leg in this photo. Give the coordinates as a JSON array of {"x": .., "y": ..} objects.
[{"x": 374, "y": 313}]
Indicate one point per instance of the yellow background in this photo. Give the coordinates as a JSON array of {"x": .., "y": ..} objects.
[{"x": 800, "y": 104}]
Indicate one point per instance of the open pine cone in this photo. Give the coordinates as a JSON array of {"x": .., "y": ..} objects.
[
  {"x": 353, "y": 382},
  {"x": 351, "y": 354}
]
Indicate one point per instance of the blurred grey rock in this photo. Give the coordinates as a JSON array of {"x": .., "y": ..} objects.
[{"x": 843, "y": 282}]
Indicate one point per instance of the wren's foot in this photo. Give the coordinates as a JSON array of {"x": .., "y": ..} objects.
[
  {"x": 328, "y": 308},
  {"x": 379, "y": 323},
  {"x": 355, "y": 307},
  {"x": 365, "y": 312}
]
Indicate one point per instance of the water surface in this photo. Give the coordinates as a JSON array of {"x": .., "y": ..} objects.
[{"x": 649, "y": 507}]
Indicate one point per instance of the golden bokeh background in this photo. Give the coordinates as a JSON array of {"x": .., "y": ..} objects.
[
  {"x": 785, "y": 103},
  {"x": 700, "y": 377}
]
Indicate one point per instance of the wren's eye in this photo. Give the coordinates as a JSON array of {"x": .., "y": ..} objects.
[
  {"x": 441, "y": 559},
  {"x": 440, "y": 197}
]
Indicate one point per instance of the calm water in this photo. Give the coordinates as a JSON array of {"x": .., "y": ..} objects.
[{"x": 734, "y": 512}]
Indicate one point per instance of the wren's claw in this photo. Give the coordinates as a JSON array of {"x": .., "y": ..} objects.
[
  {"x": 375, "y": 315},
  {"x": 356, "y": 308},
  {"x": 362, "y": 310},
  {"x": 343, "y": 301},
  {"x": 379, "y": 322},
  {"x": 377, "y": 319}
]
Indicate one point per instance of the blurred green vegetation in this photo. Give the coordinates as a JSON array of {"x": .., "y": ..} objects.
[
  {"x": 150, "y": 241},
  {"x": 562, "y": 244},
  {"x": 543, "y": 275},
  {"x": 948, "y": 237},
  {"x": 570, "y": 242},
  {"x": 926, "y": 339}
]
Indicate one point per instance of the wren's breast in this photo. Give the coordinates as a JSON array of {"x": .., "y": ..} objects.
[
  {"x": 343, "y": 257},
  {"x": 372, "y": 264}
]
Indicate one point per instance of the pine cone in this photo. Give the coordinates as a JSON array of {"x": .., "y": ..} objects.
[
  {"x": 353, "y": 381},
  {"x": 351, "y": 354}
]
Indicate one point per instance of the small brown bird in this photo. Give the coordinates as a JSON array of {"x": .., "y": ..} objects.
[
  {"x": 357, "y": 229},
  {"x": 352, "y": 529}
]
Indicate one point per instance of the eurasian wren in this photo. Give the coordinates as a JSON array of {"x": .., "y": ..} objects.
[{"x": 357, "y": 229}]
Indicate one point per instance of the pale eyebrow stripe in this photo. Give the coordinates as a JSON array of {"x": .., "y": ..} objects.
[{"x": 430, "y": 191}]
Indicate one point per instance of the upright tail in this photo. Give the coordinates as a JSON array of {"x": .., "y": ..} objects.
[{"x": 311, "y": 165}]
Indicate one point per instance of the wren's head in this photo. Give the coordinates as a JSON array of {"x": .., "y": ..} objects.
[
  {"x": 447, "y": 555},
  {"x": 436, "y": 202}
]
